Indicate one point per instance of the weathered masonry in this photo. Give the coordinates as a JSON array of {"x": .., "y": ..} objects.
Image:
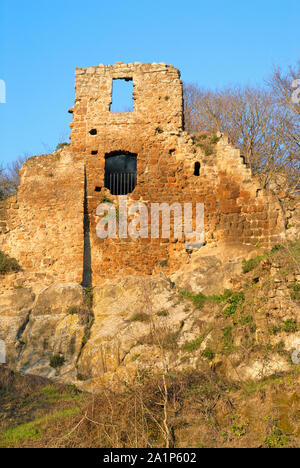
[{"x": 50, "y": 227}]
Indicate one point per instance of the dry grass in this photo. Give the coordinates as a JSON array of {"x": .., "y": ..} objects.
[{"x": 189, "y": 409}]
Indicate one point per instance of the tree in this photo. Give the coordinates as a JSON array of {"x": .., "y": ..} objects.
[
  {"x": 10, "y": 178},
  {"x": 262, "y": 122}
]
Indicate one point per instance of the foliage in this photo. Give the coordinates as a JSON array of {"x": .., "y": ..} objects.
[
  {"x": 249, "y": 265},
  {"x": 193, "y": 345},
  {"x": 262, "y": 121},
  {"x": 8, "y": 264},
  {"x": 140, "y": 317},
  {"x": 56, "y": 361},
  {"x": 290, "y": 326}
]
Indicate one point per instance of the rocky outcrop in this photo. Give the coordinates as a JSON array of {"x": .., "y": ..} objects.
[
  {"x": 36, "y": 330},
  {"x": 135, "y": 324}
]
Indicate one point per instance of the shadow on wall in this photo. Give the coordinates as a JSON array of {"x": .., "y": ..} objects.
[{"x": 87, "y": 258}]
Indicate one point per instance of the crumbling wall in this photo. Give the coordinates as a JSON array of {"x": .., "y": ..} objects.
[
  {"x": 235, "y": 207},
  {"x": 44, "y": 226},
  {"x": 49, "y": 232}
]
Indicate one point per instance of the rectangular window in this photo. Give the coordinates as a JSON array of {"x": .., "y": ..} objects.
[{"x": 122, "y": 95}]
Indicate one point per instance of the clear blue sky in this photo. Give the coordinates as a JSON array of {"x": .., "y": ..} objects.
[{"x": 212, "y": 42}]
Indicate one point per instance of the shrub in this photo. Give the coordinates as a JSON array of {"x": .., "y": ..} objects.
[
  {"x": 223, "y": 297},
  {"x": 56, "y": 361},
  {"x": 290, "y": 326},
  {"x": 295, "y": 291},
  {"x": 140, "y": 317},
  {"x": 230, "y": 310},
  {"x": 105, "y": 199},
  {"x": 276, "y": 247},
  {"x": 73, "y": 310},
  {"x": 8, "y": 264},
  {"x": 214, "y": 140},
  {"x": 198, "y": 299},
  {"x": 162, "y": 313},
  {"x": 249, "y": 265},
  {"x": 274, "y": 329},
  {"x": 277, "y": 439},
  {"x": 208, "y": 151},
  {"x": 89, "y": 296},
  {"x": 61, "y": 145},
  {"x": 209, "y": 354}
]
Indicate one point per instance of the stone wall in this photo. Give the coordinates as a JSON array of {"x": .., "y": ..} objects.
[
  {"x": 46, "y": 222},
  {"x": 44, "y": 225}
]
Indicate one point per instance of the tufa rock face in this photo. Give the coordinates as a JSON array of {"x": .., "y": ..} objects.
[
  {"x": 35, "y": 331},
  {"x": 58, "y": 298},
  {"x": 141, "y": 324}
]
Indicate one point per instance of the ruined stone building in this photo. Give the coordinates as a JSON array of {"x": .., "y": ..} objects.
[{"x": 50, "y": 226}]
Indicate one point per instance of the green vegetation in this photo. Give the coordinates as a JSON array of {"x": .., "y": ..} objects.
[
  {"x": 208, "y": 151},
  {"x": 140, "y": 317},
  {"x": 295, "y": 291},
  {"x": 53, "y": 395},
  {"x": 8, "y": 264},
  {"x": 32, "y": 430},
  {"x": 227, "y": 339},
  {"x": 135, "y": 356},
  {"x": 209, "y": 354},
  {"x": 61, "y": 145},
  {"x": 105, "y": 199},
  {"x": 214, "y": 139},
  {"x": 57, "y": 361},
  {"x": 89, "y": 295},
  {"x": 235, "y": 300},
  {"x": 162, "y": 313},
  {"x": 239, "y": 431},
  {"x": 73, "y": 310},
  {"x": 193, "y": 345},
  {"x": 274, "y": 329},
  {"x": 290, "y": 326},
  {"x": 249, "y": 265},
  {"x": 276, "y": 247},
  {"x": 277, "y": 439}
]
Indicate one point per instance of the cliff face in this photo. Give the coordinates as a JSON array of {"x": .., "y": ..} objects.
[{"x": 208, "y": 315}]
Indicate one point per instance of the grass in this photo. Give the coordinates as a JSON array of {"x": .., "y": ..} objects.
[
  {"x": 227, "y": 339},
  {"x": 200, "y": 298},
  {"x": 53, "y": 394},
  {"x": 8, "y": 264},
  {"x": 234, "y": 300},
  {"x": 32, "y": 430},
  {"x": 89, "y": 295},
  {"x": 202, "y": 409},
  {"x": 251, "y": 264},
  {"x": 193, "y": 345}
]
